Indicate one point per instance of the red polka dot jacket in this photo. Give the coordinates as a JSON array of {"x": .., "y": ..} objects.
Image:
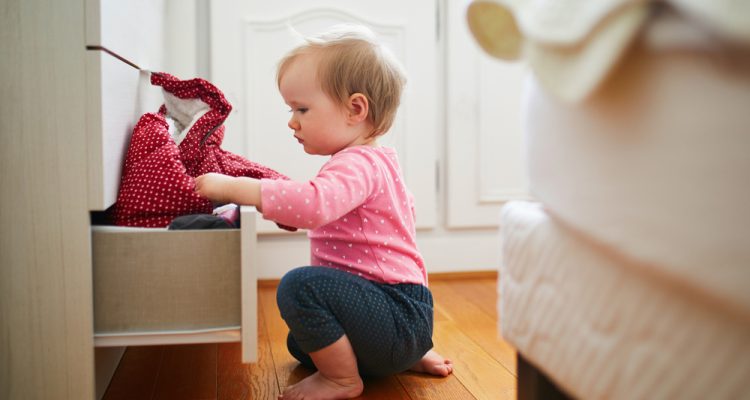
[{"x": 157, "y": 182}]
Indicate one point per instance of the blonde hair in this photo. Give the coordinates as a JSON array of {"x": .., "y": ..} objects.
[{"x": 350, "y": 60}]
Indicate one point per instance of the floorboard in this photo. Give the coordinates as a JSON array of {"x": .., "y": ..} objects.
[
  {"x": 287, "y": 368},
  {"x": 482, "y": 292},
  {"x": 463, "y": 306},
  {"x": 424, "y": 387},
  {"x": 255, "y": 381},
  {"x": 187, "y": 372},
  {"x": 137, "y": 373},
  {"x": 465, "y": 331}
]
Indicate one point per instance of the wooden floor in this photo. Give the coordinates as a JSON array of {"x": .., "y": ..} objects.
[{"x": 466, "y": 331}]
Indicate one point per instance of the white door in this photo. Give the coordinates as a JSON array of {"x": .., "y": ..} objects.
[
  {"x": 249, "y": 37},
  {"x": 483, "y": 113}
]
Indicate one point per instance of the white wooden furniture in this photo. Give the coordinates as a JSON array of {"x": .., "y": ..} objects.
[
  {"x": 45, "y": 262},
  {"x": 154, "y": 286}
]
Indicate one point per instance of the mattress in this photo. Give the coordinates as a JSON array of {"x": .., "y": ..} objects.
[
  {"x": 603, "y": 326},
  {"x": 655, "y": 164}
]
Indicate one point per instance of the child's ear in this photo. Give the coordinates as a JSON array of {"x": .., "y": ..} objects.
[{"x": 358, "y": 107}]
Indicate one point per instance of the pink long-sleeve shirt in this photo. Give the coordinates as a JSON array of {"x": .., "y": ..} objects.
[{"x": 359, "y": 213}]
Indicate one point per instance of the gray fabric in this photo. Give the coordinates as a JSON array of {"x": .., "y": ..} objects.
[{"x": 200, "y": 221}]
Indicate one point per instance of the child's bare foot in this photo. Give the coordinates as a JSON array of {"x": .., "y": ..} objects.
[
  {"x": 434, "y": 364},
  {"x": 317, "y": 386}
]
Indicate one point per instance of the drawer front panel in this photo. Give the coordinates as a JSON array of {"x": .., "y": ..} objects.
[{"x": 156, "y": 280}]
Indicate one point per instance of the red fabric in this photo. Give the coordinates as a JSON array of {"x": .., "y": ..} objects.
[
  {"x": 200, "y": 151},
  {"x": 157, "y": 183},
  {"x": 155, "y": 187}
]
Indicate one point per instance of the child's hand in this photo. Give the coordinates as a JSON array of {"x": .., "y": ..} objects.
[{"x": 215, "y": 187}]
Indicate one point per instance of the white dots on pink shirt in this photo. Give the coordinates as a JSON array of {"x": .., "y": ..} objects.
[{"x": 354, "y": 190}]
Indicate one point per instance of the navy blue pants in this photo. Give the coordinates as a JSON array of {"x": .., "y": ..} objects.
[{"x": 389, "y": 326}]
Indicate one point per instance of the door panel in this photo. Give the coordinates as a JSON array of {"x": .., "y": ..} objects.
[
  {"x": 249, "y": 38},
  {"x": 483, "y": 102}
]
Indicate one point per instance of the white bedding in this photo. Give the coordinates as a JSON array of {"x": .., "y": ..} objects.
[
  {"x": 656, "y": 164},
  {"x": 602, "y": 326}
]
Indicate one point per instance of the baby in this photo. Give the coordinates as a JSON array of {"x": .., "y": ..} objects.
[{"x": 363, "y": 306}]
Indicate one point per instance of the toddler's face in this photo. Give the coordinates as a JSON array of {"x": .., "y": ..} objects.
[{"x": 319, "y": 123}]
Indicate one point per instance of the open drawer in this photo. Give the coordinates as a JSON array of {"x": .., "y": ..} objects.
[{"x": 156, "y": 286}]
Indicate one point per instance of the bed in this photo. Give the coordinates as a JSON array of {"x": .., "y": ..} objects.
[
  {"x": 602, "y": 326},
  {"x": 628, "y": 276},
  {"x": 154, "y": 286}
]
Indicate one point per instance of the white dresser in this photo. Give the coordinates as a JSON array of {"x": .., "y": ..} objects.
[{"x": 71, "y": 98}]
